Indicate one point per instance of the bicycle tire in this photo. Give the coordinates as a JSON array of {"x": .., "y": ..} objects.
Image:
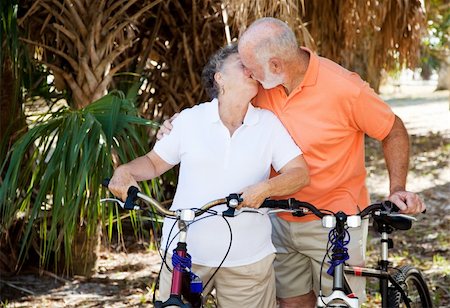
[{"x": 413, "y": 283}]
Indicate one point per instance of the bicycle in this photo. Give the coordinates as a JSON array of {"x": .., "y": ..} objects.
[
  {"x": 401, "y": 279},
  {"x": 404, "y": 285},
  {"x": 186, "y": 287}
]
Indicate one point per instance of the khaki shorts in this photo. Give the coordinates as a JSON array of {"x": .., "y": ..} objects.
[
  {"x": 301, "y": 247},
  {"x": 251, "y": 285}
]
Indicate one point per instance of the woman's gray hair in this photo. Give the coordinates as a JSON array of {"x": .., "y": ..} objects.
[{"x": 213, "y": 66}]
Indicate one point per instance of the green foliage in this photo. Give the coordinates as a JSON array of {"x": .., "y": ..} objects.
[
  {"x": 25, "y": 79},
  {"x": 53, "y": 173},
  {"x": 435, "y": 45},
  {"x": 9, "y": 37}
]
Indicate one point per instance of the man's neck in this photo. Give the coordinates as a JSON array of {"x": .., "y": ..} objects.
[{"x": 296, "y": 71}]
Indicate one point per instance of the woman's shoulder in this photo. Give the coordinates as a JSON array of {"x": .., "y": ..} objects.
[
  {"x": 266, "y": 115},
  {"x": 193, "y": 113}
]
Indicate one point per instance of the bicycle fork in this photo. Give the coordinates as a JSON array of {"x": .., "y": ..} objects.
[
  {"x": 338, "y": 293},
  {"x": 186, "y": 217}
]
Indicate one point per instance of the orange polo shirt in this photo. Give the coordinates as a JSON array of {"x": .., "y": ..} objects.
[{"x": 327, "y": 115}]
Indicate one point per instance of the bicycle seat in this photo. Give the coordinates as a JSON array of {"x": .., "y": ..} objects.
[{"x": 396, "y": 222}]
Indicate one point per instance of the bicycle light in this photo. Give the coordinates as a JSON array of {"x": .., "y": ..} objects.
[
  {"x": 187, "y": 215},
  {"x": 233, "y": 203},
  {"x": 354, "y": 221},
  {"x": 328, "y": 221}
]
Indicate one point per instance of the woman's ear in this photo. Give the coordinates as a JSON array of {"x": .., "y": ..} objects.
[{"x": 218, "y": 78}]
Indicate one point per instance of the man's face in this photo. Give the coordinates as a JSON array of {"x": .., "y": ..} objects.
[{"x": 260, "y": 72}]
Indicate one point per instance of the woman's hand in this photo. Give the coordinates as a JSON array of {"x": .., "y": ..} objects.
[
  {"x": 253, "y": 196},
  {"x": 120, "y": 182}
]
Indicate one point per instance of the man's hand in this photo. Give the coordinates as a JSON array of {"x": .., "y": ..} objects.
[
  {"x": 120, "y": 182},
  {"x": 407, "y": 202},
  {"x": 253, "y": 196},
  {"x": 166, "y": 127}
]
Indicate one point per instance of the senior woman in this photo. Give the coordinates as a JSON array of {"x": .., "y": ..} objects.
[{"x": 224, "y": 146}]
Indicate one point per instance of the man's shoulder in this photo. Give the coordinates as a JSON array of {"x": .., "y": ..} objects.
[
  {"x": 338, "y": 80},
  {"x": 331, "y": 70}
]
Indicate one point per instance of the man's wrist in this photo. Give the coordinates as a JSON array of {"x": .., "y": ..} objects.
[{"x": 397, "y": 188}]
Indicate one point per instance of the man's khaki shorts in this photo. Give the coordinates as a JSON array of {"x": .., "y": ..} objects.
[
  {"x": 301, "y": 247},
  {"x": 251, "y": 285}
]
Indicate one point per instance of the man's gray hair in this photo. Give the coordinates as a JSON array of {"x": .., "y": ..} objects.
[
  {"x": 213, "y": 66},
  {"x": 271, "y": 37}
]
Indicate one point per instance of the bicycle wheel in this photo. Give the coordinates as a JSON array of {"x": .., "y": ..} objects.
[{"x": 413, "y": 283}]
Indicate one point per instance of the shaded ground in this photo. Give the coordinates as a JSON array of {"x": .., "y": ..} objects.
[{"x": 125, "y": 280}]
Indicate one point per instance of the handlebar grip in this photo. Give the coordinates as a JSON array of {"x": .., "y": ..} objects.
[
  {"x": 394, "y": 207},
  {"x": 278, "y": 204},
  {"x": 131, "y": 198},
  {"x": 105, "y": 182}
]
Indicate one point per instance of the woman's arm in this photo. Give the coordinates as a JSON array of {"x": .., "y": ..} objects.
[
  {"x": 293, "y": 176},
  {"x": 142, "y": 168}
]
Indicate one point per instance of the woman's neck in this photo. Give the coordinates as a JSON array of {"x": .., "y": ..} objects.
[{"x": 232, "y": 112}]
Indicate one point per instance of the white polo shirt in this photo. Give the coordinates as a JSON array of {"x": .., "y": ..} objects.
[{"x": 214, "y": 164}]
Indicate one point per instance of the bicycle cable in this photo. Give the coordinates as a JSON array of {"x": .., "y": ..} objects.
[
  {"x": 164, "y": 258},
  {"x": 327, "y": 254},
  {"x": 226, "y": 254},
  {"x": 332, "y": 243},
  {"x": 211, "y": 212},
  {"x": 162, "y": 265}
]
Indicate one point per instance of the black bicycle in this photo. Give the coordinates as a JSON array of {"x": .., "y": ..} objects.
[{"x": 402, "y": 286}]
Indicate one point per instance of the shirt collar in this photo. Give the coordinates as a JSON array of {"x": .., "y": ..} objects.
[
  {"x": 212, "y": 113},
  {"x": 313, "y": 69}
]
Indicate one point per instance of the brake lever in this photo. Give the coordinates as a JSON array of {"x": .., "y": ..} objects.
[
  {"x": 121, "y": 204},
  {"x": 231, "y": 212},
  {"x": 403, "y": 216}
]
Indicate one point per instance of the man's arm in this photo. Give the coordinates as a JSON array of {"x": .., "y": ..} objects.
[
  {"x": 142, "y": 168},
  {"x": 293, "y": 176},
  {"x": 166, "y": 127},
  {"x": 396, "y": 154}
]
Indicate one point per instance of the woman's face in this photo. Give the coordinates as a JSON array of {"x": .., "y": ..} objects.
[{"x": 235, "y": 78}]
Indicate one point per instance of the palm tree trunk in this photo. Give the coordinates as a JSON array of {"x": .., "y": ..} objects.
[{"x": 12, "y": 120}]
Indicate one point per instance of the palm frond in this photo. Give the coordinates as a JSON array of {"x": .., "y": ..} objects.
[{"x": 58, "y": 189}]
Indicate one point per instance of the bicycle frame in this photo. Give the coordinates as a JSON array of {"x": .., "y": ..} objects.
[
  {"x": 186, "y": 217},
  {"x": 341, "y": 288}
]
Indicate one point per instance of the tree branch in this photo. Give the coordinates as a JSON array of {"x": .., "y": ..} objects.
[
  {"x": 69, "y": 59},
  {"x": 80, "y": 97},
  {"x": 77, "y": 19},
  {"x": 118, "y": 15},
  {"x": 113, "y": 55}
]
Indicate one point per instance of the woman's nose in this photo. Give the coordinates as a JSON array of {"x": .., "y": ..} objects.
[{"x": 247, "y": 72}]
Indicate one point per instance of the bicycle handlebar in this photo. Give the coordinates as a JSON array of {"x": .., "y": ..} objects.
[
  {"x": 133, "y": 194},
  {"x": 296, "y": 207}
]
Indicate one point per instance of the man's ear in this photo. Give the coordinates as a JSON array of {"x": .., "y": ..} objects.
[{"x": 275, "y": 65}]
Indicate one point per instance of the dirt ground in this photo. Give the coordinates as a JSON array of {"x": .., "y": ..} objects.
[{"x": 126, "y": 279}]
